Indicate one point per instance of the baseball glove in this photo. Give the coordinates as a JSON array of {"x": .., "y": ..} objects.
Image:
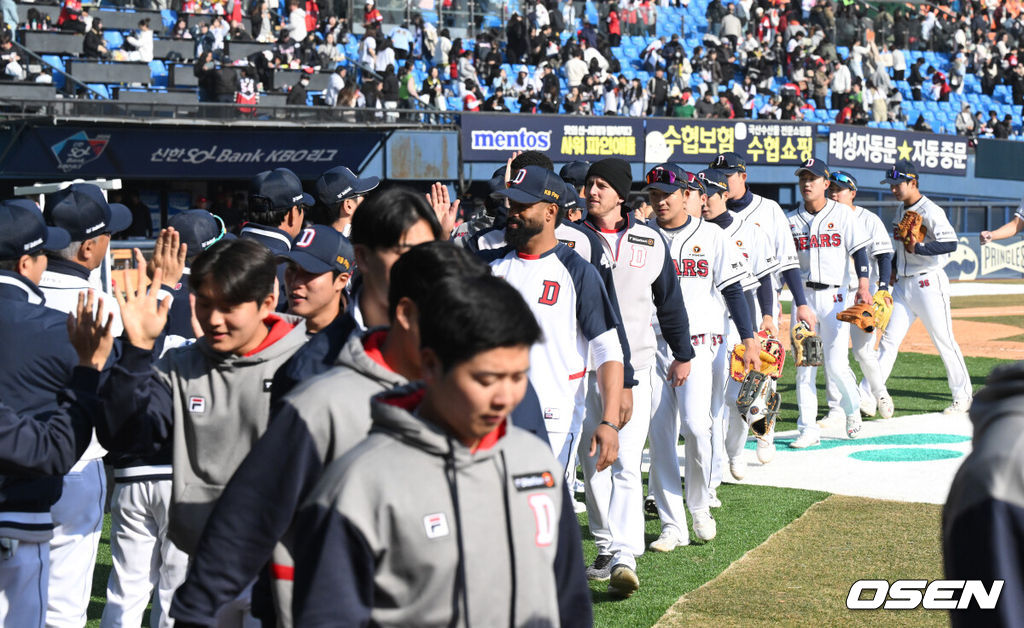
[
  {"x": 882, "y": 310},
  {"x": 910, "y": 229},
  {"x": 862, "y": 315},
  {"x": 773, "y": 357},
  {"x": 807, "y": 347},
  {"x": 759, "y": 403}
]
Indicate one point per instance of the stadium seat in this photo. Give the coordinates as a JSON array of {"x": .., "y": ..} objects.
[{"x": 114, "y": 39}]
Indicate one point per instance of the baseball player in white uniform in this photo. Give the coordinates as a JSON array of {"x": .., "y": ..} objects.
[
  {"x": 566, "y": 295},
  {"x": 922, "y": 287},
  {"x": 1010, "y": 229},
  {"x": 766, "y": 214},
  {"x": 843, "y": 190},
  {"x": 758, "y": 255},
  {"x": 709, "y": 269},
  {"x": 826, "y": 234},
  {"x": 645, "y": 282}
]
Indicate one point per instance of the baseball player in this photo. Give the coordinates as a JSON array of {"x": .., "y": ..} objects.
[
  {"x": 922, "y": 287},
  {"x": 82, "y": 210},
  {"x": 758, "y": 255},
  {"x": 709, "y": 270},
  {"x": 570, "y": 302},
  {"x": 483, "y": 533},
  {"x": 1010, "y": 229},
  {"x": 843, "y": 190},
  {"x": 340, "y": 193},
  {"x": 766, "y": 214},
  {"x": 645, "y": 283},
  {"x": 574, "y": 174},
  {"x": 827, "y": 234},
  {"x": 319, "y": 267}
]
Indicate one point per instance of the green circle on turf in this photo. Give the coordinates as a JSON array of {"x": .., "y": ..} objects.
[{"x": 905, "y": 454}]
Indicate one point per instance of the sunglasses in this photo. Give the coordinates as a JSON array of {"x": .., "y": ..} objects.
[
  {"x": 896, "y": 174},
  {"x": 694, "y": 182},
  {"x": 660, "y": 175},
  {"x": 841, "y": 177},
  {"x": 223, "y": 232}
]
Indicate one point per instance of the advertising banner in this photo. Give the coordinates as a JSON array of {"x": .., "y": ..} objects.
[
  {"x": 863, "y": 147},
  {"x": 492, "y": 137},
  {"x": 761, "y": 142},
  {"x": 181, "y": 153}
]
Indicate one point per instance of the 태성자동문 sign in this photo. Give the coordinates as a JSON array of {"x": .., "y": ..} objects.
[
  {"x": 862, "y": 147},
  {"x": 491, "y": 137},
  {"x": 762, "y": 142}
]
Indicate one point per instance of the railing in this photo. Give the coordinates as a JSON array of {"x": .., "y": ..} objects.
[
  {"x": 220, "y": 113},
  {"x": 94, "y": 93}
]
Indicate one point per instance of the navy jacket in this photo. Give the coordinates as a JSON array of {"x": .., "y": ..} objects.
[{"x": 278, "y": 241}]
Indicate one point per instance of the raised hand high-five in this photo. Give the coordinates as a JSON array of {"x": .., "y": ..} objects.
[
  {"x": 446, "y": 210},
  {"x": 90, "y": 335},
  {"x": 169, "y": 254},
  {"x": 144, "y": 317}
]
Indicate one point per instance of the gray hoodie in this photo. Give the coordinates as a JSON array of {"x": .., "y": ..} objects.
[
  {"x": 412, "y": 528},
  {"x": 983, "y": 521}
]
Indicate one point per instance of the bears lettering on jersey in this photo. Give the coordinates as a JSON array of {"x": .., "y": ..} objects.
[
  {"x": 691, "y": 267},
  {"x": 825, "y": 240},
  {"x": 549, "y": 295}
]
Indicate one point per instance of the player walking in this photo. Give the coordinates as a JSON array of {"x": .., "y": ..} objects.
[
  {"x": 843, "y": 190},
  {"x": 645, "y": 282},
  {"x": 709, "y": 271},
  {"x": 922, "y": 287},
  {"x": 826, "y": 235}
]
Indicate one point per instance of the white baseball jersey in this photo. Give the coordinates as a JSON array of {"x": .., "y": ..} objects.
[
  {"x": 705, "y": 263},
  {"x": 756, "y": 250},
  {"x": 767, "y": 215},
  {"x": 937, "y": 229},
  {"x": 880, "y": 244},
  {"x": 569, "y": 301},
  {"x": 825, "y": 241},
  {"x": 1019, "y": 213},
  {"x": 645, "y": 284}
]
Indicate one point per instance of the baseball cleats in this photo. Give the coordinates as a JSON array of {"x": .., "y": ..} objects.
[
  {"x": 885, "y": 407},
  {"x": 829, "y": 420},
  {"x": 804, "y": 441},
  {"x": 623, "y": 581},
  {"x": 738, "y": 468},
  {"x": 853, "y": 425},
  {"x": 704, "y": 526},
  {"x": 668, "y": 541},
  {"x": 958, "y": 407},
  {"x": 867, "y": 405},
  {"x": 600, "y": 570},
  {"x": 713, "y": 500},
  {"x": 765, "y": 451}
]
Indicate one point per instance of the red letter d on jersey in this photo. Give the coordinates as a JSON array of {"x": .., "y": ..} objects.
[{"x": 550, "y": 294}]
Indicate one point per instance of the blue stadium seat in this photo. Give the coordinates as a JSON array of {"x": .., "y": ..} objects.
[
  {"x": 99, "y": 90},
  {"x": 158, "y": 71},
  {"x": 114, "y": 39},
  {"x": 168, "y": 18}
]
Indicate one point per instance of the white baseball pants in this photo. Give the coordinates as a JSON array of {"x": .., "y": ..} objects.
[
  {"x": 23, "y": 586},
  {"x": 926, "y": 297},
  {"x": 78, "y": 522},
  {"x": 686, "y": 410},
  {"x": 864, "y": 351},
  {"x": 615, "y": 496},
  {"x": 145, "y": 560},
  {"x": 564, "y": 430},
  {"x": 835, "y": 339}
]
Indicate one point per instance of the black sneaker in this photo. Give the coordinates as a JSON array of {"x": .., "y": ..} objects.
[{"x": 600, "y": 569}]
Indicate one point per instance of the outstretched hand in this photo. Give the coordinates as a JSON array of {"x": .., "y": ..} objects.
[
  {"x": 91, "y": 335},
  {"x": 447, "y": 211},
  {"x": 144, "y": 317},
  {"x": 169, "y": 254}
]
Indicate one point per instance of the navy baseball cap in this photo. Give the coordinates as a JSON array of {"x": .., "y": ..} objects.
[
  {"x": 534, "y": 184},
  {"x": 277, "y": 189},
  {"x": 715, "y": 180},
  {"x": 575, "y": 173},
  {"x": 82, "y": 211},
  {"x": 843, "y": 180},
  {"x": 666, "y": 177},
  {"x": 817, "y": 167},
  {"x": 339, "y": 183},
  {"x": 902, "y": 170},
  {"x": 572, "y": 200},
  {"x": 320, "y": 249},
  {"x": 24, "y": 232},
  {"x": 729, "y": 162},
  {"x": 198, "y": 228}
]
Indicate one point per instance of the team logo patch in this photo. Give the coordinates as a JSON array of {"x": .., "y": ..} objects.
[
  {"x": 635, "y": 239},
  {"x": 305, "y": 238},
  {"x": 831, "y": 226},
  {"x": 739, "y": 243},
  {"x": 527, "y": 481},
  {"x": 568, "y": 243},
  {"x": 196, "y": 405},
  {"x": 436, "y": 525},
  {"x": 550, "y": 414},
  {"x": 268, "y": 385},
  {"x": 696, "y": 249}
]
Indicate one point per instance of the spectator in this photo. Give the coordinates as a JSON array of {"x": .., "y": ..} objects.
[
  {"x": 389, "y": 90},
  {"x": 264, "y": 23},
  {"x": 385, "y": 57},
  {"x": 94, "y": 46},
  {"x": 470, "y": 97},
  {"x": 730, "y": 28},
  {"x": 371, "y": 16},
  {"x": 329, "y": 54},
  {"x": 572, "y": 101},
  {"x": 916, "y": 79},
  {"x": 1004, "y": 128},
  {"x": 335, "y": 84},
  {"x": 298, "y": 94},
  {"x": 401, "y": 41},
  {"x": 636, "y": 100},
  {"x": 219, "y": 29},
  {"x": 576, "y": 68},
  {"x": 528, "y": 100},
  {"x": 705, "y": 107},
  {"x": 71, "y": 17},
  {"x": 238, "y": 32},
  {"x": 657, "y": 88},
  {"x": 723, "y": 108},
  {"x": 466, "y": 69},
  {"x": 180, "y": 30},
  {"x": 518, "y": 36},
  {"x": 432, "y": 91},
  {"x": 408, "y": 95},
  {"x": 684, "y": 105},
  {"x": 139, "y": 45},
  {"x": 614, "y": 26},
  {"x": 10, "y": 59},
  {"x": 497, "y": 102},
  {"x": 922, "y": 125},
  {"x": 965, "y": 123},
  {"x": 549, "y": 101}
]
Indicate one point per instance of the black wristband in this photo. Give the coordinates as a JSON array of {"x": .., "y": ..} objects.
[{"x": 611, "y": 425}]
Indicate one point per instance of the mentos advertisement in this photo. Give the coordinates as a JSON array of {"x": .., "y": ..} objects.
[{"x": 491, "y": 137}]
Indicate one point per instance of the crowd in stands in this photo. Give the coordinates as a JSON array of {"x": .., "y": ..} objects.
[{"x": 816, "y": 60}]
